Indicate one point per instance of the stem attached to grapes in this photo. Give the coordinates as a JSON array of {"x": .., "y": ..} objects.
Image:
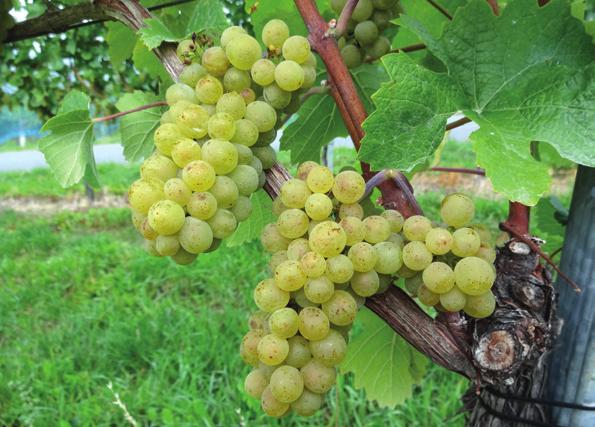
[
  {"x": 345, "y": 17},
  {"x": 134, "y": 110}
]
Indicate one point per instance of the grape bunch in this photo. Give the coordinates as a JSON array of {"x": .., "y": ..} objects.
[
  {"x": 364, "y": 38},
  {"x": 450, "y": 267},
  {"x": 326, "y": 259},
  {"x": 213, "y": 143}
]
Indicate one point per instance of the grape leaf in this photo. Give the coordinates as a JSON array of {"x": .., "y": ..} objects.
[
  {"x": 145, "y": 60},
  {"x": 74, "y": 100},
  {"x": 137, "y": 129},
  {"x": 155, "y": 32},
  {"x": 208, "y": 16},
  {"x": 262, "y": 214},
  {"x": 548, "y": 227},
  {"x": 120, "y": 40},
  {"x": 383, "y": 363}
]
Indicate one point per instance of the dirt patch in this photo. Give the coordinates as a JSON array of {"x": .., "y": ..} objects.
[{"x": 53, "y": 205}]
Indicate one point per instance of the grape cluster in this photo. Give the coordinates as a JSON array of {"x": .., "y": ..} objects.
[
  {"x": 451, "y": 267},
  {"x": 364, "y": 31},
  {"x": 326, "y": 259},
  {"x": 213, "y": 143}
]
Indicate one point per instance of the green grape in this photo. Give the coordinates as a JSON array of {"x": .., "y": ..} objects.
[
  {"x": 305, "y": 168},
  {"x": 474, "y": 276},
  {"x": 278, "y": 206},
  {"x": 202, "y": 205},
  {"x": 349, "y": 187},
  {"x": 167, "y": 245},
  {"x": 246, "y": 133},
  {"x": 210, "y": 108},
  {"x": 382, "y": 19},
  {"x": 195, "y": 236},
  {"x": 341, "y": 308},
  {"x": 313, "y": 264},
  {"x": 274, "y": 34},
  {"x": 363, "y": 256},
  {"x": 177, "y": 108},
  {"x": 262, "y": 115},
  {"x": 257, "y": 165},
  {"x": 221, "y": 126},
  {"x": 292, "y": 223},
  {"x": 208, "y": 90},
  {"x": 351, "y": 209},
  {"x": 215, "y": 61},
  {"x": 158, "y": 167},
  {"x": 179, "y": 92},
  {"x": 272, "y": 240},
  {"x": 147, "y": 231},
  {"x": 390, "y": 257},
  {"x": 272, "y": 350},
  {"x": 297, "y": 249},
  {"x": 248, "y": 95},
  {"x": 379, "y": 48},
  {"x": 439, "y": 241},
  {"x": 271, "y": 406},
  {"x": 221, "y": 155},
  {"x": 465, "y": 242},
  {"x": 286, "y": 384},
  {"x": 314, "y": 324},
  {"x": 276, "y": 97},
  {"x": 263, "y": 72},
  {"x": 225, "y": 192},
  {"x": 377, "y": 229},
  {"x": 258, "y": 320},
  {"x": 166, "y": 217},
  {"x": 296, "y": 48},
  {"x": 137, "y": 219},
  {"x": 427, "y": 297},
  {"x": 255, "y": 383},
  {"x": 289, "y": 75},
  {"x": 317, "y": 377},
  {"x": 183, "y": 257},
  {"x": 384, "y": 4},
  {"x": 266, "y": 155},
  {"x": 167, "y": 117},
  {"x": 397, "y": 239},
  {"x": 266, "y": 138},
  {"x": 299, "y": 297},
  {"x": 198, "y": 175},
  {"x": 186, "y": 50},
  {"x": 328, "y": 239},
  {"x": 339, "y": 268},
  {"x": 416, "y": 256},
  {"x": 319, "y": 289},
  {"x": 223, "y": 223},
  {"x": 166, "y": 136},
  {"x": 150, "y": 248},
  {"x": 453, "y": 300},
  {"x": 366, "y": 32},
  {"x": 480, "y": 306},
  {"x": 294, "y": 193},
  {"x": 185, "y": 151},
  {"x": 299, "y": 352},
  {"x": 365, "y": 284},
  {"x": 246, "y": 179},
  {"x": 229, "y": 34},
  {"x": 486, "y": 253},
  {"x": 318, "y": 206},
  {"x": 394, "y": 218},
  {"x": 485, "y": 235},
  {"x": 276, "y": 259},
  {"x": 243, "y": 51},
  {"x": 215, "y": 245},
  {"x": 457, "y": 210},
  {"x": 249, "y": 346},
  {"x": 412, "y": 284},
  {"x": 284, "y": 322},
  {"x": 352, "y": 56},
  {"x": 193, "y": 121},
  {"x": 289, "y": 276},
  {"x": 363, "y": 10},
  {"x": 245, "y": 155},
  {"x": 320, "y": 179},
  {"x": 330, "y": 350},
  {"x": 309, "y": 81},
  {"x": 236, "y": 80},
  {"x": 438, "y": 277},
  {"x": 416, "y": 227},
  {"x": 310, "y": 62},
  {"x": 176, "y": 190},
  {"x": 338, "y": 5},
  {"x": 233, "y": 104},
  {"x": 406, "y": 272},
  {"x": 242, "y": 209},
  {"x": 192, "y": 73},
  {"x": 268, "y": 297}
]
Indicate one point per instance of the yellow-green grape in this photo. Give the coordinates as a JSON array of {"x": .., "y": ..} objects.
[
  {"x": 351, "y": 209},
  {"x": 276, "y": 97},
  {"x": 394, "y": 218},
  {"x": 183, "y": 257},
  {"x": 167, "y": 117},
  {"x": 296, "y": 48},
  {"x": 223, "y": 223},
  {"x": 284, "y": 322},
  {"x": 246, "y": 180},
  {"x": 221, "y": 155},
  {"x": 198, "y": 175},
  {"x": 149, "y": 246},
  {"x": 379, "y": 48},
  {"x": 243, "y": 51},
  {"x": 266, "y": 138},
  {"x": 328, "y": 239},
  {"x": 341, "y": 308},
  {"x": 215, "y": 61},
  {"x": 486, "y": 253},
  {"x": 413, "y": 283},
  {"x": 292, "y": 223},
  {"x": 294, "y": 193},
  {"x": 355, "y": 230},
  {"x": 299, "y": 352},
  {"x": 297, "y": 249},
  {"x": 480, "y": 306},
  {"x": 390, "y": 257},
  {"x": 289, "y": 75},
  {"x": 208, "y": 90},
  {"x": 314, "y": 223},
  {"x": 272, "y": 240},
  {"x": 137, "y": 219},
  {"x": 249, "y": 346},
  {"x": 225, "y": 192},
  {"x": 179, "y": 92},
  {"x": 365, "y": 284},
  {"x": 195, "y": 236},
  {"x": 457, "y": 210},
  {"x": 309, "y": 77},
  {"x": 286, "y": 384},
  {"x": 176, "y": 190},
  {"x": 249, "y": 95},
  {"x": 485, "y": 235},
  {"x": 310, "y": 62},
  {"x": 352, "y": 56},
  {"x": 245, "y": 156},
  {"x": 319, "y": 289},
  {"x": 405, "y": 272},
  {"x": 349, "y": 187},
  {"x": 246, "y": 133},
  {"x": 185, "y": 151},
  {"x": 427, "y": 297},
  {"x": 258, "y": 320},
  {"x": 202, "y": 205},
  {"x": 271, "y": 406},
  {"x": 465, "y": 242},
  {"x": 262, "y": 115},
  {"x": 363, "y": 256},
  {"x": 439, "y": 241},
  {"x": 416, "y": 256},
  {"x": 186, "y": 50},
  {"x": 289, "y": 276},
  {"x": 397, "y": 239},
  {"x": 166, "y": 136},
  {"x": 299, "y": 297},
  {"x": 177, "y": 109},
  {"x": 231, "y": 104},
  {"x": 439, "y": 277},
  {"x": 313, "y": 264},
  {"x": 318, "y": 378},
  {"x": 318, "y": 206},
  {"x": 305, "y": 168},
  {"x": 278, "y": 206},
  {"x": 274, "y": 34},
  {"x": 221, "y": 126},
  {"x": 257, "y": 165},
  {"x": 416, "y": 227},
  {"x": 272, "y": 350},
  {"x": 167, "y": 245},
  {"x": 166, "y": 217},
  {"x": 453, "y": 300},
  {"x": 474, "y": 276},
  {"x": 193, "y": 121},
  {"x": 230, "y": 33},
  {"x": 363, "y": 10},
  {"x": 255, "y": 383},
  {"x": 242, "y": 209},
  {"x": 276, "y": 259},
  {"x": 377, "y": 229},
  {"x": 147, "y": 231},
  {"x": 339, "y": 268},
  {"x": 314, "y": 324},
  {"x": 366, "y": 32},
  {"x": 338, "y": 5},
  {"x": 268, "y": 297},
  {"x": 236, "y": 80},
  {"x": 210, "y": 108},
  {"x": 320, "y": 179},
  {"x": 307, "y": 404},
  {"x": 330, "y": 350},
  {"x": 263, "y": 72},
  {"x": 158, "y": 167}
]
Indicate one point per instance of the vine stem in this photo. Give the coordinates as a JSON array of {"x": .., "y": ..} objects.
[
  {"x": 440, "y": 9},
  {"x": 478, "y": 171},
  {"x": 344, "y": 18},
  {"x": 134, "y": 110},
  {"x": 458, "y": 123}
]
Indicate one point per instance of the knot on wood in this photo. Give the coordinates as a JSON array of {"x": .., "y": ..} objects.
[
  {"x": 528, "y": 294},
  {"x": 496, "y": 351}
]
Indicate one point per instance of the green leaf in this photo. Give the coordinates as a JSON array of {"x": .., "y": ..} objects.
[
  {"x": 383, "y": 363},
  {"x": 146, "y": 61},
  {"x": 250, "y": 229},
  {"x": 548, "y": 227},
  {"x": 120, "y": 40},
  {"x": 154, "y": 33},
  {"x": 208, "y": 16},
  {"x": 74, "y": 100},
  {"x": 137, "y": 129}
]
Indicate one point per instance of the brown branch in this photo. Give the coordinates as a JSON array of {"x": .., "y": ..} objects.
[
  {"x": 518, "y": 217},
  {"x": 410, "y": 48},
  {"x": 494, "y": 5},
  {"x": 458, "y": 123},
  {"x": 440, "y": 9},
  {"x": 344, "y": 18},
  {"x": 459, "y": 170},
  {"x": 134, "y": 110}
]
